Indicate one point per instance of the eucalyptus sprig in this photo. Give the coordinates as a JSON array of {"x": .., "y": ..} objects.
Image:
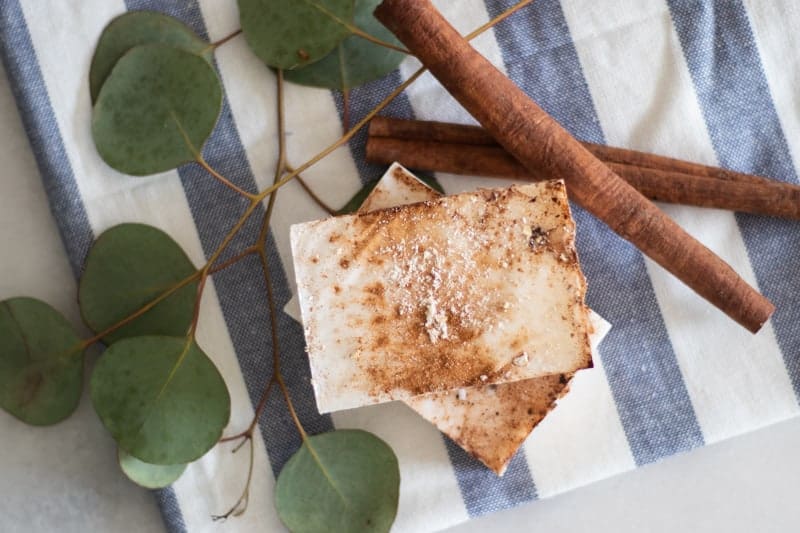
[{"x": 156, "y": 99}]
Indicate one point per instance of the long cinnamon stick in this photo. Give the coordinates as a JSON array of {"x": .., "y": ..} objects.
[
  {"x": 539, "y": 142},
  {"x": 422, "y": 130},
  {"x": 759, "y": 196}
]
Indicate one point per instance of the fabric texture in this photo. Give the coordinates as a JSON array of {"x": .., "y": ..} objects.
[{"x": 710, "y": 81}]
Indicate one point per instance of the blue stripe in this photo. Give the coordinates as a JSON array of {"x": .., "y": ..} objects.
[
  {"x": 642, "y": 370},
  {"x": 746, "y": 133},
  {"x": 170, "y": 510},
  {"x": 481, "y": 489},
  {"x": 36, "y": 110},
  {"x": 241, "y": 289},
  {"x": 483, "y": 492},
  {"x": 30, "y": 91}
]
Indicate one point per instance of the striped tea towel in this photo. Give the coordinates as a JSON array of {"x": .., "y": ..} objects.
[{"x": 707, "y": 80}]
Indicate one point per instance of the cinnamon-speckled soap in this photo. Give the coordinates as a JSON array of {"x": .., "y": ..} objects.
[{"x": 477, "y": 288}]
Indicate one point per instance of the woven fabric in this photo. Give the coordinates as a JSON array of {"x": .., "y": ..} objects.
[{"x": 710, "y": 81}]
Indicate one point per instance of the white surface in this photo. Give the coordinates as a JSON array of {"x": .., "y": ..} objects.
[{"x": 65, "y": 478}]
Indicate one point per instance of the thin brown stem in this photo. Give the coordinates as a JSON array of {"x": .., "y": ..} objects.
[
  {"x": 196, "y": 314},
  {"x": 206, "y": 270},
  {"x": 220, "y": 42},
  {"x": 250, "y": 250},
  {"x": 276, "y": 361},
  {"x": 355, "y": 30},
  {"x": 342, "y": 140},
  {"x": 317, "y": 200},
  {"x": 163, "y": 296},
  {"x": 498, "y": 19},
  {"x": 142, "y": 310},
  {"x": 358, "y": 32},
  {"x": 222, "y": 179},
  {"x": 346, "y": 109},
  {"x": 247, "y": 435},
  {"x": 231, "y": 234},
  {"x": 240, "y": 506},
  {"x": 262, "y": 403},
  {"x": 292, "y": 412}
]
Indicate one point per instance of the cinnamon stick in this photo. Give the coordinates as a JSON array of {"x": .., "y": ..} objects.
[
  {"x": 539, "y": 142},
  {"x": 422, "y": 130},
  {"x": 758, "y": 196}
]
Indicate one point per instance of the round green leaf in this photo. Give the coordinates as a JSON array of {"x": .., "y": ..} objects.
[
  {"x": 136, "y": 28},
  {"x": 147, "y": 475},
  {"x": 41, "y": 362},
  {"x": 345, "y": 480},
  {"x": 156, "y": 109},
  {"x": 129, "y": 266},
  {"x": 290, "y": 33},
  {"x": 355, "y": 61},
  {"x": 162, "y": 398}
]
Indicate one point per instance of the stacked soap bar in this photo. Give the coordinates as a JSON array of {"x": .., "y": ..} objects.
[{"x": 470, "y": 308}]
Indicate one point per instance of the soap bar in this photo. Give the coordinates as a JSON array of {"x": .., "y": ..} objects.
[
  {"x": 477, "y": 288},
  {"x": 490, "y": 422}
]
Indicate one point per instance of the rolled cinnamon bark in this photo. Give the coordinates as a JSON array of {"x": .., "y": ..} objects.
[
  {"x": 539, "y": 142},
  {"x": 423, "y": 130},
  {"x": 760, "y": 196}
]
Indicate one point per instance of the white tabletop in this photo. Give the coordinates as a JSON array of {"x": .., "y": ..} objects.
[{"x": 65, "y": 478}]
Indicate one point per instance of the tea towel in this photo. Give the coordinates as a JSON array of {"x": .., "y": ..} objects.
[{"x": 707, "y": 80}]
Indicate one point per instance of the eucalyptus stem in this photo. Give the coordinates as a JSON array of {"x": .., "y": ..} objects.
[
  {"x": 355, "y": 30},
  {"x": 240, "y": 506},
  {"x": 247, "y": 435},
  {"x": 343, "y": 139},
  {"x": 317, "y": 200},
  {"x": 498, "y": 19},
  {"x": 196, "y": 313},
  {"x": 358, "y": 32},
  {"x": 206, "y": 270},
  {"x": 222, "y": 179},
  {"x": 345, "y": 108},
  {"x": 164, "y": 295},
  {"x": 217, "y": 44},
  {"x": 250, "y": 250}
]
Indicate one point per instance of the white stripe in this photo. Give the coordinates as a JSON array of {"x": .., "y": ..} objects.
[
  {"x": 211, "y": 484},
  {"x": 430, "y": 101},
  {"x": 645, "y": 100},
  {"x": 581, "y": 440},
  {"x": 774, "y": 26}
]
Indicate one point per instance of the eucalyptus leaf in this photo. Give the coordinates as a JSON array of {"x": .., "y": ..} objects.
[
  {"x": 161, "y": 398},
  {"x": 135, "y": 28},
  {"x": 156, "y": 109},
  {"x": 147, "y": 475},
  {"x": 129, "y": 266},
  {"x": 287, "y": 34},
  {"x": 41, "y": 362},
  {"x": 358, "y": 198},
  {"x": 355, "y": 60},
  {"x": 341, "y": 481}
]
